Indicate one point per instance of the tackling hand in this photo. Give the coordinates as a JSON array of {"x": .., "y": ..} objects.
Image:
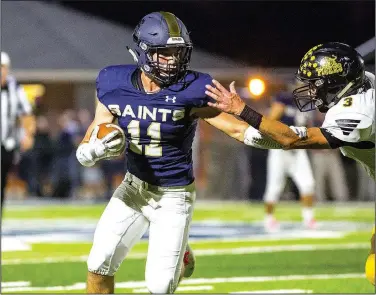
[{"x": 226, "y": 101}]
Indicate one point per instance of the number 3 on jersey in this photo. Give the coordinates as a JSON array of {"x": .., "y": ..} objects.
[
  {"x": 347, "y": 102},
  {"x": 154, "y": 131}
]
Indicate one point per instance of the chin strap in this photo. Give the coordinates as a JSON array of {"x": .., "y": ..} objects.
[
  {"x": 344, "y": 90},
  {"x": 133, "y": 53}
]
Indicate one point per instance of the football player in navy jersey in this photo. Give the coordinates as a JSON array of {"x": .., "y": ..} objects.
[{"x": 157, "y": 103}]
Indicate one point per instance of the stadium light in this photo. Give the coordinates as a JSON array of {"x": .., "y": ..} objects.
[{"x": 256, "y": 87}]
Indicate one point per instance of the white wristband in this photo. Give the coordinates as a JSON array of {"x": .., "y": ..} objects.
[{"x": 255, "y": 138}]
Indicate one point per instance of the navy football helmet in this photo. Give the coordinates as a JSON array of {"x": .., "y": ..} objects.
[
  {"x": 330, "y": 72},
  {"x": 163, "y": 47}
]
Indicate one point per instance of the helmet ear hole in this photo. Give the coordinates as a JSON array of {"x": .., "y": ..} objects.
[{"x": 346, "y": 69}]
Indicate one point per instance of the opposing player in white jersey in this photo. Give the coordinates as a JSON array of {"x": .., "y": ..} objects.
[
  {"x": 337, "y": 84},
  {"x": 282, "y": 163}
]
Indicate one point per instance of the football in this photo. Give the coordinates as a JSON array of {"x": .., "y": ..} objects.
[{"x": 106, "y": 128}]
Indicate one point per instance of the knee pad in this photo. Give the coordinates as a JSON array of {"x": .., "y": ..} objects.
[
  {"x": 307, "y": 188},
  {"x": 272, "y": 194},
  {"x": 102, "y": 262},
  {"x": 106, "y": 255},
  {"x": 161, "y": 285}
]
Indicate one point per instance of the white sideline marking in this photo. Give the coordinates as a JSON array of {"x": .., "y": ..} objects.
[
  {"x": 13, "y": 244},
  {"x": 284, "y": 291},
  {"x": 284, "y": 248},
  {"x": 142, "y": 284},
  {"x": 15, "y": 284},
  {"x": 204, "y": 252},
  {"x": 300, "y": 234},
  {"x": 272, "y": 278},
  {"x": 77, "y": 286},
  {"x": 193, "y": 288}
]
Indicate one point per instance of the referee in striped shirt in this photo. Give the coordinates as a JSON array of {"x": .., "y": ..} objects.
[{"x": 17, "y": 121}]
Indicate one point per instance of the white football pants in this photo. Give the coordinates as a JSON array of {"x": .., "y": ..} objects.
[
  {"x": 293, "y": 163},
  {"x": 134, "y": 207}
]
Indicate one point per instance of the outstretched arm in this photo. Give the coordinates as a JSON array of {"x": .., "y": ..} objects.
[
  {"x": 237, "y": 129},
  {"x": 230, "y": 102},
  {"x": 227, "y": 123}
]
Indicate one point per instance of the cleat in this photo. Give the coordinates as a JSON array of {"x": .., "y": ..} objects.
[
  {"x": 310, "y": 224},
  {"x": 189, "y": 262},
  {"x": 271, "y": 225}
]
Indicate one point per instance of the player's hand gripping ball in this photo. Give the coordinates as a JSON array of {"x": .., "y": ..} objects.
[{"x": 107, "y": 128}]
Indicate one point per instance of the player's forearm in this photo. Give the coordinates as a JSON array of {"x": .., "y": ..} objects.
[
  {"x": 227, "y": 123},
  {"x": 279, "y": 132},
  {"x": 236, "y": 131},
  {"x": 289, "y": 139},
  {"x": 88, "y": 132},
  {"x": 282, "y": 133},
  {"x": 255, "y": 138}
]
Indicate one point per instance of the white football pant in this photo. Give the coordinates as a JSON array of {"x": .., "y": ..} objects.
[
  {"x": 293, "y": 163},
  {"x": 134, "y": 207}
]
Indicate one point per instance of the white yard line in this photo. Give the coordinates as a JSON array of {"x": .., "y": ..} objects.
[
  {"x": 281, "y": 291},
  {"x": 193, "y": 288},
  {"x": 15, "y": 284},
  {"x": 299, "y": 234},
  {"x": 9, "y": 244},
  {"x": 203, "y": 252},
  {"x": 141, "y": 284},
  {"x": 272, "y": 278}
]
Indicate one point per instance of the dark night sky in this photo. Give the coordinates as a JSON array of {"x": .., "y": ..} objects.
[{"x": 267, "y": 33}]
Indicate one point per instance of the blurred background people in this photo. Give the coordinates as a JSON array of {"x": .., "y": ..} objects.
[
  {"x": 329, "y": 171},
  {"x": 17, "y": 121},
  {"x": 65, "y": 176},
  {"x": 35, "y": 164},
  {"x": 293, "y": 163}
]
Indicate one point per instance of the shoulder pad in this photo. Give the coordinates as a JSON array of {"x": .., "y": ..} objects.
[
  {"x": 112, "y": 77},
  {"x": 196, "y": 89},
  {"x": 349, "y": 126}
]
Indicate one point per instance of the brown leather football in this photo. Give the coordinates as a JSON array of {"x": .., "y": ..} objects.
[{"x": 106, "y": 128}]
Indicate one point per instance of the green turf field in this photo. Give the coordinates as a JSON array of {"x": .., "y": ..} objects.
[{"x": 288, "y": 264}]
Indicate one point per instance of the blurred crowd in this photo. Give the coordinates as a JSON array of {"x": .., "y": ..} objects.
[{"x": 50, "y": 168}]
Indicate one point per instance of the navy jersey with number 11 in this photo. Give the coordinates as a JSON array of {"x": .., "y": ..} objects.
[{"x": 158, "y": 127}]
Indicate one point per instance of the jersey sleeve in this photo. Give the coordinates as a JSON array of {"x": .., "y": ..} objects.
[
  {"x": 352, "y": 119},
  {"x": 349, "y": 127},
  {"x": 103, "y": 84},
  {"x": 201, "y": 99}
]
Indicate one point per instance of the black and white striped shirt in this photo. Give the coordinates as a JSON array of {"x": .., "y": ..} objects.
[{"x": 14, "y": 104}]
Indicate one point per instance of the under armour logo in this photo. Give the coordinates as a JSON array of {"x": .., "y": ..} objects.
[{"x": 173, "y": 99}]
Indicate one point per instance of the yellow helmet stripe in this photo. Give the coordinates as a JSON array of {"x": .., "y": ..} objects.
[{"x": 172, "y": 23}]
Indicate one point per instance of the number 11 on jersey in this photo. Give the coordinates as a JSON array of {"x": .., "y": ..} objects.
[{"x": 154, "y": 131}]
